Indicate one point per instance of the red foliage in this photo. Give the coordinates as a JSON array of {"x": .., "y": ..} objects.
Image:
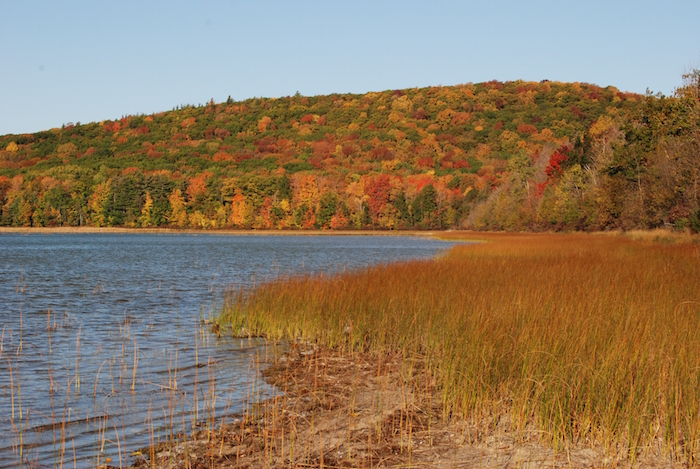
[
  {"x": 420, "y": 114},
  {"x": 112, "y": 126},
  {"x": 525, "y": 88},
  {"x": 307, "y": 119},
  {"x": 540, "y": 187},
  {"x": 382, "y": 153},
  {"x": 322, "y": 120},
  {"x": 222, "y": 133},
  {"x": 348, "y": 150},
  {"x": 420, "y": 181},
  {"x": 143, "y": 130},
  {"x": 494, "y": 84},
  {"x": 324, "y": 149},
  {"x": 577, "y": 112},
  {"x": 461, "y": 164},
  {"x": 425, "y": 163},
  {"x": 555, "y": 161},
  {"x": 447, "y": 138},
  {"x": 266, "y": 145},
  {"x": 498, "y": 125},
  {"x": 243, "y": 155},
  {"x": 378, "y": 189},
  {"x": 316, "y": 162}
]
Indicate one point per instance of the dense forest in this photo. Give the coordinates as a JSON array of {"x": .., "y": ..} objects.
[{"x": 488, "y": 156}]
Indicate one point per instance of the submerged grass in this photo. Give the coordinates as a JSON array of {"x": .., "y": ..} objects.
[{"x": 587, "y": 340}]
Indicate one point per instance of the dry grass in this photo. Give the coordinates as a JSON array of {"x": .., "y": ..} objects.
[{"x": 585, "y": 341}]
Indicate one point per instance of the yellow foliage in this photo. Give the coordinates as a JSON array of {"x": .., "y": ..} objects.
[
  {"x": 239, "y": 211},
  {"x": 444, "y": 118},
  {"x": 305, "y": 129},
  {"x": 199, "y": 220},
  {"x": 395, "y": 116},
  {"x": 601, "y": 126},
  {"x": 390, "y": 165},
  {"x": 145, "y": 218},
  {"x": 403, "y": 104},
  {"x": 263, "y": 123},
  {"x": 284, "y": 205},
  {"x": 545, "y": 136},
  {"x": 67, "y": 149},
  {"x": 11, "y": 147},
  {"x": 528, "y": 97},
  {"x": 178, "y": 215}
]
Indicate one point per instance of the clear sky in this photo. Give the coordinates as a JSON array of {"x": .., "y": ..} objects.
[{"x": 86, "y": 61}]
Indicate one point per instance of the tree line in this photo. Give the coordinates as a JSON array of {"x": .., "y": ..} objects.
[{"x": 491, "y": 156}]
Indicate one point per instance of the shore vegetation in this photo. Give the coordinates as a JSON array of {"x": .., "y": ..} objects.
[{"x": 577, "y": 341}]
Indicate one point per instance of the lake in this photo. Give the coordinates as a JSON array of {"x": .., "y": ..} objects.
[{"x": 103, "y": 350}]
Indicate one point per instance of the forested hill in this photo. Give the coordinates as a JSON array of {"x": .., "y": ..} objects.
[{"x": 514, "y": 155}]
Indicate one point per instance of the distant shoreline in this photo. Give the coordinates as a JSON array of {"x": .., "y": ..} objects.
[{"x": 122, "y": 230}]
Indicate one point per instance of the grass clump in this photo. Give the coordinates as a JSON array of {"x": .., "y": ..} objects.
[{"x": 587, "y": 340}]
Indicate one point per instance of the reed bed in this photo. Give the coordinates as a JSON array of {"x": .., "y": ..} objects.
[{"x": 583, "y": 340}]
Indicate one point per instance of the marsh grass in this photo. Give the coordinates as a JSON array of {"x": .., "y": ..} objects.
[{"x": 587, "y": 341}]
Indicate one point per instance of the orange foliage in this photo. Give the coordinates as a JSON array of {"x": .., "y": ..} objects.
[
  {"x": 527, "y": 129},
  {"x": 196, "y": 185},
  {"x": 238, "y": 211},
  {"x": 222, "y": 156}
]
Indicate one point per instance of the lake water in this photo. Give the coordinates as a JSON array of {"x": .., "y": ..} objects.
[{"x": 103, "y": 351}]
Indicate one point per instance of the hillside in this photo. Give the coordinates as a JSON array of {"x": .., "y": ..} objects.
[{"x": 514, "y": 155}]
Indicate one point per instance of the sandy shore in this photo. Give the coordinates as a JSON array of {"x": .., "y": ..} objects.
[{"x": 343, "y": 410}]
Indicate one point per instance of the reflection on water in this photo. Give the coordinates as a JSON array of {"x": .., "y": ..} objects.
[{"x": 102, "y": 349}]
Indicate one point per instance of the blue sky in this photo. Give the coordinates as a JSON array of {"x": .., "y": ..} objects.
[{"x": 73, "y": 61}]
